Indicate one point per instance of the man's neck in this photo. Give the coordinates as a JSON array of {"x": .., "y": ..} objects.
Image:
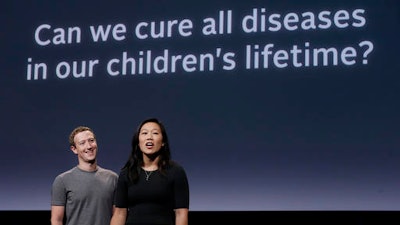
[{"x": 90, "y": 167}]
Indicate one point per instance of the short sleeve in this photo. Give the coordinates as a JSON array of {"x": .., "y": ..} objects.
[
  {"x": 121, "y": 195},
  {"x": 58, "y": 192},
  {"x": 181, "y": 188}
]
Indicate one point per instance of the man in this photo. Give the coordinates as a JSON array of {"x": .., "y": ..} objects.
[{"x": 85, "y": 193}]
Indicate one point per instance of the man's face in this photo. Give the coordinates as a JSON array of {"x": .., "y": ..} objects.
[{"x": 85, "y": 146}]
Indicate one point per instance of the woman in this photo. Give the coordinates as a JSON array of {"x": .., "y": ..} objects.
[{"x": 151, "y": 189}]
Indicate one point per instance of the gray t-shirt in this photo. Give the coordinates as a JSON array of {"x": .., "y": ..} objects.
[{"x": 88, "y": 197}]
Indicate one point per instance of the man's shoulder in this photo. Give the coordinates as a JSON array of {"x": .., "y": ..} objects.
[
  {"x": 65, "y": 175},
  {"x": 67, "y": 172},
  {"x": 106, "y": 171}
]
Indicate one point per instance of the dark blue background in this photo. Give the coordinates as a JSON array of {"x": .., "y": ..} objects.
[{"x": 309, "y": 138}]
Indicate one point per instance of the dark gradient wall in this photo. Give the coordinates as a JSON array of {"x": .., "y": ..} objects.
[{"x": 269, "y": 105}]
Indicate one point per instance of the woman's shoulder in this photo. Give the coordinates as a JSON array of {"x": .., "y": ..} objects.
[
  {"x": 123, "y": 171},
  {"x": 175, "y": 167}
]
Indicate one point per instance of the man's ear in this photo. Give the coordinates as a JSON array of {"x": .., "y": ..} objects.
[{"x": 73, "y": 149}]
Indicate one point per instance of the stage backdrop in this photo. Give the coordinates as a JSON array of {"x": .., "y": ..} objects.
[{"x": 269, "y": 105}]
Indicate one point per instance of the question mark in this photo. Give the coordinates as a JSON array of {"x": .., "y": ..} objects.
[{"x": 369, "y": 49}]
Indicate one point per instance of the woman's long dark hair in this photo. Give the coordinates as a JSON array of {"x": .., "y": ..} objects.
[{"x": 135, "y": 160}]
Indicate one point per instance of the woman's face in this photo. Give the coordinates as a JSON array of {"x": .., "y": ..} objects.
[{"x": 150, "y": 138}]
